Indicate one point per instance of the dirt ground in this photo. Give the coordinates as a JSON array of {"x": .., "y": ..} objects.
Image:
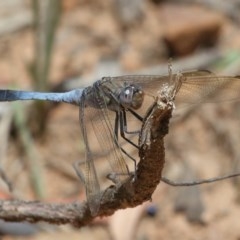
[{"x": 97, "y": 37}]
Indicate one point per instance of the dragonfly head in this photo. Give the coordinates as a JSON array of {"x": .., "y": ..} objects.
[{"x": 131, "y": 96}]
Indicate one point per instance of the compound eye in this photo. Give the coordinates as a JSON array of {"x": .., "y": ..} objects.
[
  {"x": 131, "y": 97},
  {"x": 126, "y": 96}
]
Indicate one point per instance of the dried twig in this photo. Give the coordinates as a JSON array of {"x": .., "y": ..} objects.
[
  {"x": 5, "y": 120},
  {"x": 32, "y": 157},
  {"x": 46, "y": 18},
  {"x": 129, "y": 194}
]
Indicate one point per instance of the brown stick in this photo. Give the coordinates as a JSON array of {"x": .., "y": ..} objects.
[{"x": 129, "y": 194}]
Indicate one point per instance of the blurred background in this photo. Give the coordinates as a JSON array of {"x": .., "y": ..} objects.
[{"x": 53, "y": 45}]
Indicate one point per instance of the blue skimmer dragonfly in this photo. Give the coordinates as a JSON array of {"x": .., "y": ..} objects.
[{"x": 121, "y": 96}]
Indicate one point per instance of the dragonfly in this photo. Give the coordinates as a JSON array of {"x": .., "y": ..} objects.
[{"x": 120, "y": 97}]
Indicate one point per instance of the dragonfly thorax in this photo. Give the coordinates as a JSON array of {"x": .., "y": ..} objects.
[{"x": 131, "y": 96}]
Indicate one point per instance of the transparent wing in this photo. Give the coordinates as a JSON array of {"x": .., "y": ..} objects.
[
  {"x": 209, "y": 138},
  {"x": 90, "y": 175},
  {"x": 100, "y": 143},
  {"x": 103, "y": 127},
  {"x": 197, "y": 86},
  {"x": 209, "y": 88}
]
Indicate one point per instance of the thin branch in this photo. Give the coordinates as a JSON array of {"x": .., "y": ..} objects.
[
  {"x": 32, "y": 157},
  {"x": 198, "y": 182},
  {"x": 129, "y": 194}
]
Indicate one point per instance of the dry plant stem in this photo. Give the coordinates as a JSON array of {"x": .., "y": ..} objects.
[
  {"x": 7, "y": 181},
  {"x": 129, "y": 194},
  {"x": 198, "y": 182},
  {"x": 46, "y": 17},
  {"x": 32, "y": 157}
]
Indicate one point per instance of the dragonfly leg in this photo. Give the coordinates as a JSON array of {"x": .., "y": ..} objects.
[
  {"x": 137, "y": 116},
  {"x": 93, "y": 198},
  {"x": 132, "y": 158},
  {"x": 116, "y": 127},
  {"x": 124, "y": 122},
  {"x": 113, "y": 176},
  {"x": 79, "y": 173},
  {"x": 123, "y": 126}
]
